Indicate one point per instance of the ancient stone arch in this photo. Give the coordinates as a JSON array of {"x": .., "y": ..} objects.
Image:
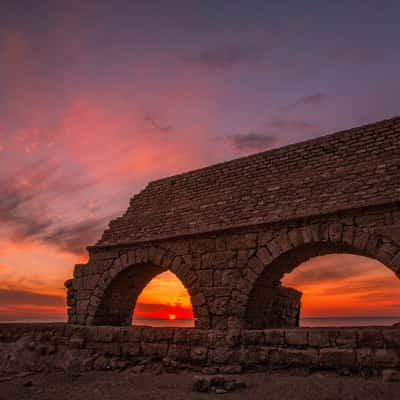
[
  {"x": 265, "y": 307},
  {"x": 119, "y": 285},
  {"x": 230, "y": 230}
]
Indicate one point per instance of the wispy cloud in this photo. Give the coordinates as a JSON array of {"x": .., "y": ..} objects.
[
  {"x": 332, "y": 268},
  {"x": 75, "y": 237},
  {"x": 269, "y": 136},
  {"x": 20, "y": 297},
  {"x": 26, "y": 212},
  {"x": 251, "y": 142},
  {"x": 310, "y": 100},
  {"x": 157, "y": 123},
  {"x": 291, "y": 125},
  {"x": 225, "y": 56}
]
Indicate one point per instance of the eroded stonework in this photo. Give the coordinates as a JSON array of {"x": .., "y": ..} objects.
[{"x": 231, "y": 231}]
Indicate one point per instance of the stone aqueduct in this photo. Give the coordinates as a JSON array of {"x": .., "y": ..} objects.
[{"x": 230, "y": 231}]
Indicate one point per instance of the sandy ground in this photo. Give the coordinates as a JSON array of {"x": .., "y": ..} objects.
[{"x": 171, "y": 386}]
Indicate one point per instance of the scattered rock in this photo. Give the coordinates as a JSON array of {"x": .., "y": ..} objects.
[
  {"x": 391, "y": 375},
  {"x": 138, "y": 369},
  {"x": 101, "y": 363},
  {"x": 209, "y": 370},
  {"x": 87, "y": 364},
  {"x": 166, "y": 361},
  {"x": 76, "y": 343},
  {"x": 201, "y": 384},
  {"x": 216, "y": 383},
  {"x": 230, "y": 369}
]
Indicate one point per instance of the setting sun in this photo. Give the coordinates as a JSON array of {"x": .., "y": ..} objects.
[{"x": 172, "y": 317}]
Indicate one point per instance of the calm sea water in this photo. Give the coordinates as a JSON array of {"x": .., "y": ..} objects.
[
  {"x": 304, "y": 322},
  {"x": 348, "y": 321}
]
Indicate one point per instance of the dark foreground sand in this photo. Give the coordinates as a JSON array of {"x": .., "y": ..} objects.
[{"x": 170, "y": 386}]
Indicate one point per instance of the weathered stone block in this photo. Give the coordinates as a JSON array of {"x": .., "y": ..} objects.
[
  {"x": 319, "y": 338},
  {"x": 180, "y": 352},
  {"x": 391, "y": 375},
  {"x": 229, "y": 276},
  {"x": 112, "y": 349},
  {"x": 130, "y": 349},
  {"x": 203, "y": 245},
  {"x": 218, "y": 306},
  {"x": 274, "y": 337},
  {"x": 253, "y": 337},
  {"x": 241, "y": 241},
  {"x": 219, "y": 322},
  {"x": 346, "y": 338},
  {"x": 264, "y": 237},
  {"x": 154, "y": 349},
  {"x": 76, "y": 342},
  {"x": 335, "y": 232},
  {"x": 256, "y": 265},
  {"x": 387, "y": 357},
  {"x": 220, "y": 355},
  {"x": 79, "y": 270},
  {"x": 133, "y": 334},
  {"x": 276, "y": 357},
  {"x": 248, "y": 355},
  {"x": 142, "y": 255},
  {"x": 365, "y": 357},
  {"x": 264, "y": 255},
  {"x": 306, "y": 357},
  {"x": 392, "y": 337},
  {"x": 198, "y": 354},
  {"x": 197, "y": 336},
  {"x": 205, "y": 277},
  {"x": 370, "y": 338},
  {"x": 180, "y": 335},
  {"x": 337, "y": 358},
  {"x": 296, "y": 337},
  {"x": 233, "y": 337},
  {"x": 274, "y": 249}
]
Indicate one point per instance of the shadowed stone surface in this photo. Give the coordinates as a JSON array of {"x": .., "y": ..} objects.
[
  {"x": 74, "y": 349},
  {"x": 231, "y": 231}
]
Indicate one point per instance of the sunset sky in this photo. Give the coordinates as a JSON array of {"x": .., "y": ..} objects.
[{"x": 99, "y": 97}]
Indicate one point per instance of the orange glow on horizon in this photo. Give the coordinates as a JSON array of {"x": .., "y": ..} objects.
[
  {"x": 164, "y": 297},
  {"x": 345, "y": 285}
]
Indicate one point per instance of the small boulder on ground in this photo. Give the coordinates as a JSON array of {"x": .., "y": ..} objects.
[
  {"x": 391, "y": 375},
  {"x": 218, "y": 384}
]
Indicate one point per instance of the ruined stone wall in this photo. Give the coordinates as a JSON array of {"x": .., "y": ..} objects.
[
  {"x": 231, "y": 231},
  {"x": 350, "y": 169},
  {"x": 280, "y": 309},
  {"x": 41, "y": 347},
  {"x": 229, "y": 272}
]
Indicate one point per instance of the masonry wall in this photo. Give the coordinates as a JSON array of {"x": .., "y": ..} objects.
[
  {"x": 225, "y": 270},
  {"x": 41, "y": 347},
  {"x": 350, "y": 169}
]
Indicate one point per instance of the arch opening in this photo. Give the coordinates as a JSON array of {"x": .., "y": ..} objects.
[
  {"x": 345, "y": 290},
  {"x": 121, "y": 296},
  {"x": 278, "y": 299},
  {"x": 164, "y": 302}
]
